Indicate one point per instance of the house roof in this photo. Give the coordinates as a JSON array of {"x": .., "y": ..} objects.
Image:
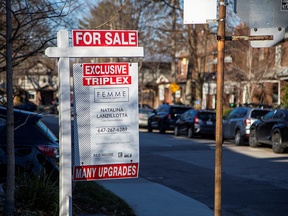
[
  {"x": 164, "y": 79},
  {"x": 47, "y": 87}
]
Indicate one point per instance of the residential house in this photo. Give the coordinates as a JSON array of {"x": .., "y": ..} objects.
[
  {"x": 251, "y": 75},
  {"x": 37, "y": 82},
  {"x": 256, "y": 75},
  {"x": 154, "y": 78}
]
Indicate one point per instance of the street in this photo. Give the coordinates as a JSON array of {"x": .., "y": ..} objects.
[{"x": 254, "y": 180}]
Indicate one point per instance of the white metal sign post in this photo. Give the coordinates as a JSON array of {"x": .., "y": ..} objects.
[{"x": 96, "y": 44}]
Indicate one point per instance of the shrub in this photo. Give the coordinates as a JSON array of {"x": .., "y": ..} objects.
[{"x": 37, "y": 193}]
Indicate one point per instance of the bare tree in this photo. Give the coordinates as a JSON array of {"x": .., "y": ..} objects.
[
  {"x": 250, "y": 66},
  {"x": 26, "y": 27}
]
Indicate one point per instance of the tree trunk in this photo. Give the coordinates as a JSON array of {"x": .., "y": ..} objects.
[
  {"x": 173, "y": 44},
  {"x": 9, "y": 202}
]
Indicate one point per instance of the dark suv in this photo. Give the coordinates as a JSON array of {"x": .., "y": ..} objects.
[
  {"x": 36, "y": 147},
  {"x": 165, "y": 117},
  {"x": 196, "y": 122},
  {"x": 238, "y": 122},
  {"x": 271, "y": 129}
]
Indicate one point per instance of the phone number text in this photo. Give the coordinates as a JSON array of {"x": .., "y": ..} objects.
[{"x": 112, "y": 129}]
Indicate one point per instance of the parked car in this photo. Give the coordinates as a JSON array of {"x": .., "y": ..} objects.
[
  {"x": 238, "y": 122},
  {"x": 36, "y": 147},
  {"x": 165, "y": 117},
  {"x": 196, "y": 122},
  {"x": 28, "y": 106},
  {"x": 271, "y": 129},
  {"x": 143, "y": 116},
  {"x": 145, "y": 106}
]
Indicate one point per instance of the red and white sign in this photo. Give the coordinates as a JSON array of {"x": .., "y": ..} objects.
[
  {"x": 105, "y": 38},
  {"x": 111, "y": 171},
  {"x": 104, "y": 69},
  {"x": 106, "y": 136},
  {"x": 106, "y": 74},
  {"x": 97, "y": 81}
]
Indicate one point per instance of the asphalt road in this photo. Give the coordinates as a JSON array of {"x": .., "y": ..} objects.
[{"x": 254, "y": 180}]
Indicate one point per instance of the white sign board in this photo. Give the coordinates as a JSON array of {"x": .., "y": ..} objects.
[
  {"x": 264, "y": 17},
  {"x": 178, "y": 94},
  {"x": 199, "y": 12},
  {"x": 106, "y": 136}
]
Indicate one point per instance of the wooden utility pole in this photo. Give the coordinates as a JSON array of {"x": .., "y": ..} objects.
[{"x": 219, "y": 108}]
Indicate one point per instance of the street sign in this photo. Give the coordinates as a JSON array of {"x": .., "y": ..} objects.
[
  {"x": 264, "y": 17},
  {"x": 199, "y": 12},
  {"x": 106, "y": 137},
  {"x": 105, "y": 38},
  {"x": 174, "y": 87}
]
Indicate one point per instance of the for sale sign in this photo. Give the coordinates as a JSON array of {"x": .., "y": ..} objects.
[
  {"x": 106, "y": 131},
  {"x": 105, "y": 38}
]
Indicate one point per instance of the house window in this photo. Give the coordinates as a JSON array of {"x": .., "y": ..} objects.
[
  {"x": 275, "y": 96},
  {"x": 245, "y": 95},
  {"x": 278, "y": 50},
  {"x": 161, "y": 93},
  {"x": 261, "y": 55},
  {"x": 31, "y": 95},
  {"x": 181, "y": 68},
  {"x": 44, "y": 80}
]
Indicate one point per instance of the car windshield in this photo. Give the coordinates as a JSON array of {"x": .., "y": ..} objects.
[
  {"x": 259, "y": 113},
  {"x": 268, "y": 115},
  {"x": 145, "y": 111},
  {"x": 178, "y": 110},
  {"x": 46, "y": 131},
  {"x": 207, "y": 116}
]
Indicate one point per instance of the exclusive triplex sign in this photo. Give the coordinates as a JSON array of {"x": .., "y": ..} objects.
[
  {"x": 106, "y": 136},
  {"x": 105, "y": 38},
  {"x": 106, "y": 74}
]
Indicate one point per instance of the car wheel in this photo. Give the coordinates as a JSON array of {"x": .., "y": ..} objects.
[
  {"x": 190, "y": 132},
  {"x": 277, "y": 143},
  {"x": 176, "y": 131},
  {"x": 161, "y": 128},
  {"x": 238, "y": 140},
  {"x": 149, "y": 127},
  {"x": 253, "y": 139}
]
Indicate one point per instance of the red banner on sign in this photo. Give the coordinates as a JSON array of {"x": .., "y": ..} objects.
[
  {"x": 105, "y": 69},
  {"x": 97, "y": 81},
  {"x": 105, "y": 38},
  {"x": 112, "y": 171}
]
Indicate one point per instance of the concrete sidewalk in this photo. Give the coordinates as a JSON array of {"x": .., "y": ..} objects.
[{"x": 151, "y": 199}]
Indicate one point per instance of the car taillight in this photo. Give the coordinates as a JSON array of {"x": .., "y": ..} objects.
[
  {"x": 140, "y": 115},
  {"x": 247, "y": 122},
  {"x": 168, "y": 116},
  {"x": 50, "y": 151},
  {"x": 196, "y": 119}
]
